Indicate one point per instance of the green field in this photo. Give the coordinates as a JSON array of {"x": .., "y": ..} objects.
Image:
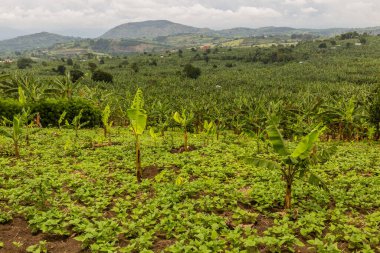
[
  {"x": 206, "y": 200},
  {"x": 72, "y": 185}
]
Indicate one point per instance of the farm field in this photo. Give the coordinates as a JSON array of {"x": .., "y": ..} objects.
[
  {"x": 268, "y": 148},
  {"x": 74, "y": 195}
]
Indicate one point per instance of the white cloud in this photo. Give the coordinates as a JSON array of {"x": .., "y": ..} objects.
[
  {"x": 309, "y": 10},
  {"x": 296, "y": 2},
  {"x": 81, "y": 17}
]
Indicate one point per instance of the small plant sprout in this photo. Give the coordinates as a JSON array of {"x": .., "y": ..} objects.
[
  {"x": 153, "y": 135},
  {"x": 209, "y": 129},
  {"x": 138, "y": 118},
  {"x": 61, "y": 119},
  {"x": 38, "y": 248},
  {"x": 76, "y": 124},
  {"x": 107, "y": 125},
  {"x": 15, "y": 134},
  {"x": 298, "y": 162},
  {"x": 184, "y": 120}
]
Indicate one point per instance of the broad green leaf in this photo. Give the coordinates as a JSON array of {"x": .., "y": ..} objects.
[
  {"x": 263, "y": 163},
  {"x": 316, "y": 181},
  {"x": 105, "y": 115},
  {"x": 21, "y": 94},
  {"x": 5, "y": 133},
  {"x": 138, "y": 101},
  {"x": 152, "y": 133},
  {"x": 277, "y": 141},
  {"x": 305, "y": 146},
  {"x": 138, "y": 120},
  {"x": 178, "y": 118}
]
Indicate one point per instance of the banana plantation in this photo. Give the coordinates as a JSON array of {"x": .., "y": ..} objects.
[{"x": 255, "y": 149}]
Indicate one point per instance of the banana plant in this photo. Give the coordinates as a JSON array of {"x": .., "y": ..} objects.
[
  {"x": 76, "y": 124},
  {"x": 154, "y": 135},
  {"x": 184, "y": 119},
  {"x": 208, "y": 130},
  {"x": 65, "y": 87},
  {"x": 298, "y": 162},
  {"x": 107, "y": 125},
  {"x": 61, "y": 118},
  {"x": 34, "y": 89},
  {"x": 27, "y": 116},
  {"x": 138, "y": 119},
  {"x": 15, "y": 134}
]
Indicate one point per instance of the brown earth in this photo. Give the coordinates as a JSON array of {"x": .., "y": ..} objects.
[{"x": 18, "y": 232}]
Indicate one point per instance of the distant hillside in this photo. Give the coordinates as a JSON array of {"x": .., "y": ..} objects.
[
  {"x": 162, "y": 28},
  {"x": 156, "y": 35},
  {"x": 34, "y": 41},
  {"x": 149, "y": 30},
  {"x": 288, "y": 31}
]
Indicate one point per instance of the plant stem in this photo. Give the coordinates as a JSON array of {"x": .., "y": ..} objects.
[
  {"x": 17, "y": 151},
  {"x": 288, "y": 196},
  {"x": 138, "y": 160},
  {"x": 185, "y": 139}
]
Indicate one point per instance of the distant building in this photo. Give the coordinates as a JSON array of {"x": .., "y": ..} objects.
[{"x": 205, "y": 47}]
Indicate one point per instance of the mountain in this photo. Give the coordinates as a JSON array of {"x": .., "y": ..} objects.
[
  {"x": 154, "y": 29},
  {"x": 156, "y": 35},
  {"x": 149, "y": 30},
  {"x": 288, "y": 31},
  {"x": 34, "y": 41}
]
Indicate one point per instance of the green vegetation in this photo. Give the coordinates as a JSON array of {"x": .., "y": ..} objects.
[
  {"x": 138, "y": 118},
  {"x": 304, "y": 112},
  {"x": 102, "y": 76}
]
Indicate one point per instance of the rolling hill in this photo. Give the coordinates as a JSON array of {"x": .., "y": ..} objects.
[
  {"x": 34, "y": 41},
  {"x": 162, "y": 28},
  {"x": 149, "y": 30},
  {"x": 156, "y": 35}
]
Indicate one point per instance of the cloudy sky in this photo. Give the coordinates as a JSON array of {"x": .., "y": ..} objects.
[{"x": 90, "y": 18}]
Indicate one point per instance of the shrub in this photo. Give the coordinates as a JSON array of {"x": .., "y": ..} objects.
[
  {"x": 51, "y": 109},
  {"x": 92, "y": 66},
  {"x": 374, "y": 112},
  {"x": 8, "y": 108},
  {"x": 191, "y": 72},
  {"x": 322, "y": 45},
  {"x": 61, "y": 70},
  {"x": 135, "y": 67},
  {"x": 102, "y": 76},
  {"x": 76, "y": 74},
  {"x": 24, "y": 63}
]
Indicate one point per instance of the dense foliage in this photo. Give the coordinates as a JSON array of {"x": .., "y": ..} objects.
[
  {"x": 207, "y": 200},
  {"x": 286, "y": 106},
  {"x": 51, "y": 109},
  {"x": 239, "y": 87}
]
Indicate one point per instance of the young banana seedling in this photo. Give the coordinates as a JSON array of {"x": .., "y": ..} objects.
[
  {"x": 208, "y": 130},
  {"x": 15, "y": 134},
  {"x": 76, "y": 124},
  {"x": 138, "y": 118},
  {"x": 298, "y": 162},
  {"x": 184, "y": 120},
  {"x": 107, "y": 125},
  {"x": 61, "y": 119},
  {"x": 153, "y": 135}
]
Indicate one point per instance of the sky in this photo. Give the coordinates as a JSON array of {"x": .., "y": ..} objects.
[{"x": 91, "y": 18}]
